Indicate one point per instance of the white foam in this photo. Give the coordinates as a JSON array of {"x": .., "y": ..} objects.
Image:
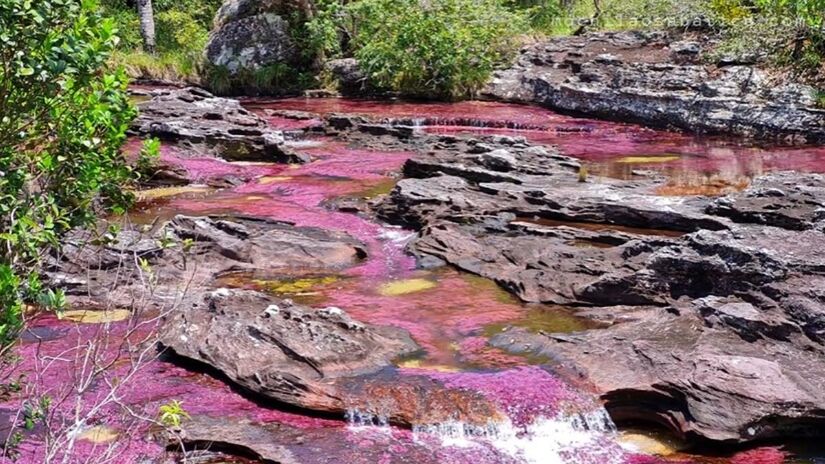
[{"x": 575, "y": 439}]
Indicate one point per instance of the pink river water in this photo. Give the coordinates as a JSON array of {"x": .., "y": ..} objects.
[{"x": 550, "y": 418}]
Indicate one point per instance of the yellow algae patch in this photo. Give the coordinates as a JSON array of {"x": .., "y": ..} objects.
[
  {"x": 646, "y": 159},
  {"x": 96, "y": 317},
  {"x": 296, "y": 286},
  {"x": 641, "y": 443},
  {"x": 382, "y": 188},
  {"x": 266, "y": 180},
  {"x": 170, "y": 191},
  {"x": 99, "y": 434},
  {"x": 403, "y": 287},
  {"x": 420, "y": 364},
  {"x": 485, "y": 285}
]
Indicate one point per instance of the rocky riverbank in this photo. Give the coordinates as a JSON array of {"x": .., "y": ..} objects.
[
  {"x": 715, "y": 317},
  {"x": 665, "y": 80},
  {"x": 700, "y": 314}
]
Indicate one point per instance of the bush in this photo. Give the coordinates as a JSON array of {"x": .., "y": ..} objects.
[
  {"x": 63, "y": 119},
  {"x": 177, "y": 31},
  {"x": 445, "y": 48},
  {"x": 182, "y": 29}
]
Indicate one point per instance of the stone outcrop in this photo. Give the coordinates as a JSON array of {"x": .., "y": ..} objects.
[
  {"x": 188, "y": 254},
  {"x": 317, "y": 359},
  {"x": 715, "y": 304},
  {"x": 281, "y": 351},
  {"x": 661, "y": 80},
  {"x": 250, "y": 34},
  {"x": 207, "y": 124}
]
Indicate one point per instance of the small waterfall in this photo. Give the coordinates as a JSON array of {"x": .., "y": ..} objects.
[
  {"x": 581, "y": 438},
  {"x": 360, "y": 419}
]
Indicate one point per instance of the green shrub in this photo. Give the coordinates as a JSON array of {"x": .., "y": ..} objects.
[
  {"x": 169, "y": 66},
  {"x": 177, "y": 31},
  {"x": 202, "y": 12},
  {"x": 63, "y": 118},
  {"x": 812, "y": 12},
  {"x": 544, "y": 15},
  {"x": 126, "y": 20},
  {"x": 444, "y": 48}
]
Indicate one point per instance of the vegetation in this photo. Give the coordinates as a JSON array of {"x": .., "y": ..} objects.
[
  {"x": 445, "y": 48},
  {"x": 172, "y": 414},
  {"x": 63, "y": 119},
  {"x": 182, "y": 28}
]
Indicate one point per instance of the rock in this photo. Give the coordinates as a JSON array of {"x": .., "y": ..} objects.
[
  {"x": 208, "y": 124},
  {"x": 716, "y": 305},
  {"x": 315, "y": 359},
  {"x": 786, "y": 199},
  {"x": 657, "y": 79},
  {"x": 699, "y": 381},
  {"x": 685, "y": 50},
  {"x": 249, "y": 35},
  {"x": 286, "y": 444},
  {"x": 101, "y": 273},
  {"x": 281, "y": 351},
  {"x": 351, "y": 80}
]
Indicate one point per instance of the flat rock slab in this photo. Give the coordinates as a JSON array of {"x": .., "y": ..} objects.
[
  {"x": 282, "y": 444},
  {"x": 315, "y": 359},
  {"x": 189, "y": 253},
  {"x": 211, "y": 125},
  {"x": 284, "y": 352}
]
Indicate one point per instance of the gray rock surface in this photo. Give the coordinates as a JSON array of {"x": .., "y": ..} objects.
[
  {"x": 208, "y": 124},
  {"x": 716, "y": 305},
  {"x": 659, "y": 80},
  {"x": 250, "y": 34},
  {"x": 283, "y": 352},
  {"x": 106, "y": 272}
]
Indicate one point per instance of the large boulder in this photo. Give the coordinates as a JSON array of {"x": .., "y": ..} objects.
[
  {"x": 250, "y": 34},
  {"x": 284, "y": 352}
]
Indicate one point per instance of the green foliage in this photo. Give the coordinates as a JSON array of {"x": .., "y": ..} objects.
[
  {"x": 53, "y": 300},
  {"x": 11, "y": 314},
  {"x": 789, "y": 33},
  {"x": 62, "y": 122},
  {"x": 178, "y": 31},
  {"x": 544, "y": 15},
  {"x": 168, "y": 66},
  {"x": 444, "y": 48},
  {"x": 182, "y": 29},
  {"x": 812, "y": 12},
  {"x": 819, "y": 98},
  {"x": 36, "y": 412},
  {"x": 275, "y": 79},
  {"x": 172, "y": 414}
]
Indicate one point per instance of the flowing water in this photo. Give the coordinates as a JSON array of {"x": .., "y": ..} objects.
[{"x": 549, "y": 417}]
